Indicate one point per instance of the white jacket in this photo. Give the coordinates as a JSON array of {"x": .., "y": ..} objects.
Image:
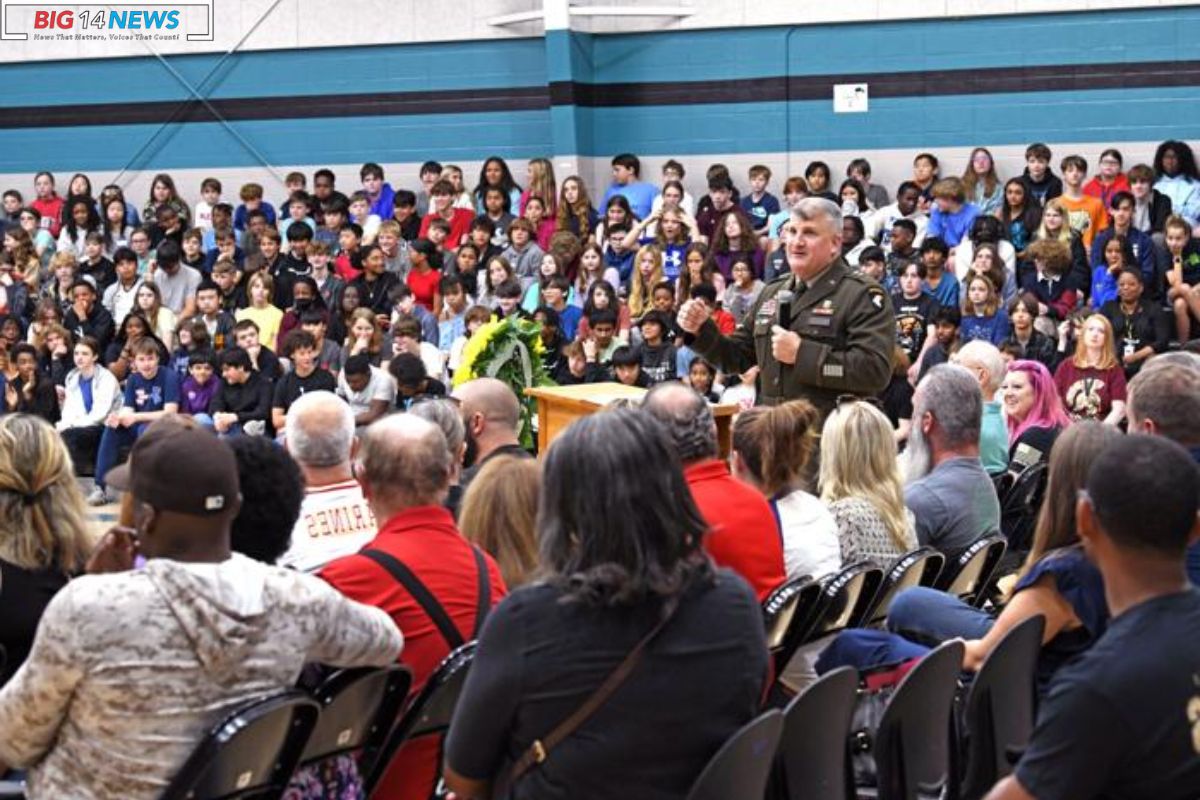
[{"x": 106, "y": 397}]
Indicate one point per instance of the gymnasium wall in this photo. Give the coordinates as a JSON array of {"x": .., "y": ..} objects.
[{"x": 743, "y": 94}]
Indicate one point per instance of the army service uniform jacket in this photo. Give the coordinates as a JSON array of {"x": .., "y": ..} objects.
[{"x": 847, "y": 335}]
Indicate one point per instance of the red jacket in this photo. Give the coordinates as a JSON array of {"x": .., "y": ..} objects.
[
  {"x": 743, "y": 534},
  {"x": 426, "y": 541}
]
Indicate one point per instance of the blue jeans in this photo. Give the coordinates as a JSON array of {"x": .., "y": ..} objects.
[
  {"x": 931, "y": 617},
  {"x": 864, "y": 648},
  {"x": 111, "y": 442},
  {"x": 918, "y": 620},
  {"x": 1193, "y": 563},
  {"x": 207, "y": 421}
]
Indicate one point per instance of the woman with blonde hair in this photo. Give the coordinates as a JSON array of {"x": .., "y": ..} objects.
[
  {"x": 1091, "y": 383},
  {"x": 860, "y": 483},
  {"x": 647, "y": 273},
  {"x": 541, "y": 184},
  {"x": 771, "y": 451},
  {"x": 365, "y": 335},
  {"x": 498, "y": 514},
  {"x": 44, "y": 538}
]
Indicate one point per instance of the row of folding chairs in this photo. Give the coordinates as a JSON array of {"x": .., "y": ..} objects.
[
  {"x": 804, "y": 610},
  {"x": 936, "y": 737},
  {"x": 255, "y": 750}
]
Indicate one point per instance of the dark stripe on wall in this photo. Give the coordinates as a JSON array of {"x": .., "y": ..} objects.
[
  {"x": 998, "y": 80},
  {"x": 450, "y": 101},
  {"x": 927, "y": 83}
]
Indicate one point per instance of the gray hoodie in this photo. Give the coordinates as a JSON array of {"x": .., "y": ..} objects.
[{"x": 128, "y": 670}]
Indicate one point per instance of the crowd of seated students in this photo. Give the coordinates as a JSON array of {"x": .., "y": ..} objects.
[{"x": 1034, "y": 318}]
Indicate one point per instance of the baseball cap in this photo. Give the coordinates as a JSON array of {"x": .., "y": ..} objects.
[{"x": 179, "y": 467}]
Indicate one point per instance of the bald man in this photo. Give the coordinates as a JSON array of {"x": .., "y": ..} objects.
[
  {"x": 492, "y": 417},
  {"x": 335, "y": 519},
  {"x": 743, "y": 534},
  {"x": 436, "y": 586}
]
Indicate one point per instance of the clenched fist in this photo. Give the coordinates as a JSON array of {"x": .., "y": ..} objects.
[{"x": 692, "y": 315}]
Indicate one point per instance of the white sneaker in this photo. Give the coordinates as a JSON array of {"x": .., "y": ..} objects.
[
  {"x": 255, "y": 427},
  {"x": 100, "y": 497}
]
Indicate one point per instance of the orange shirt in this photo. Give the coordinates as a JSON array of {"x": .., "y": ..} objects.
[{"x": 1085, "y": 215}]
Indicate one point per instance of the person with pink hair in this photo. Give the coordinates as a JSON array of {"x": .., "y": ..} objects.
[{"x": 1034, "y": 412}]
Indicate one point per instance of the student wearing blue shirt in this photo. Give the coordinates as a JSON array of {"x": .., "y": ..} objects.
[
  {"x": 951, "y": 217},
  {"x": 760, "y": 205},
  {"x": 939, "y": 281},
  {"x": 626, "y": 169},
  {"x": 378, "y": 192},
  {"x": 983, "y": 318},
  {"x": 252, "y": 200},
  {"x": 150, "y": 393}
]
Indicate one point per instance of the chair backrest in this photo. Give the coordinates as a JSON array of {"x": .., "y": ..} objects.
[
  {"x": 814, "y": 748},
  {"x": 969, "y": 577},
  {"x": 430, "y": 712},
  {"x": 998, "y": 713},
  {"x": 846, "y": 597},
  {"x": 253, "y": 751},
  {"x": 1020, "y": 502},
  {"x": 743, "y": 764},
  {"x": 358, "y": 709},
  {"x": 918, "y": 568},
  {"x": 787, "y": 613},
  {"x": 912, "y": 743}
]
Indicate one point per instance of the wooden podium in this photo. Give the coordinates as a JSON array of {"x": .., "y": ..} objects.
[{"x": 559, "y": 406}]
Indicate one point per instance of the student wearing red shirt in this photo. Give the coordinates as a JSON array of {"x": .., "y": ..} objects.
[
  {"x": 707, "y": 294},
  {"x": 459, "y": 219},
  {"x": 404, "y": 468},
  {"x": 742, "y": 533},
  {"x": 423, "y": 279},
  {"x": 48, "y": 202}
]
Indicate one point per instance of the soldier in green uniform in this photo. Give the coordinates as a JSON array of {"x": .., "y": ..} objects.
[{"x": 839, "y": 332}]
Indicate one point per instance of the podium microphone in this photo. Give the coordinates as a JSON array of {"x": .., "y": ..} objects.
[{"x": 784, "y": 304}]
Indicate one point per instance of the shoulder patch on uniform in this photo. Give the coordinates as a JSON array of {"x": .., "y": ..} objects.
[
  {"x": 877, "y": 296},
  {"x": 833, "y": 371}
]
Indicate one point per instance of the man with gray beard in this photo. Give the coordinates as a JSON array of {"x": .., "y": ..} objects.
[{"x": 946, "y": 486}]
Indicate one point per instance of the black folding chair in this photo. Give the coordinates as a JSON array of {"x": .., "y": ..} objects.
[
  {"x": 998, "y": 713},
  {"x": 358, "y": 709},
  {"x": 845, "y": 599},
  {"x": 429, "y": 714},
  {"x": 970, "y": 576},
  {"x": 814, "y": 758},
  {"x": 252, "y": 752},
  {"x": 912, "y": 742},
  {"x": 743, "y": 764},
  {"x": 918, "y": 568},
  {"x": 1020, "y": 497},
  {"x": 787, "y": 613}
]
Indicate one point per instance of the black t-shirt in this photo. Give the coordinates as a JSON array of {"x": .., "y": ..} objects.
[
  {"x": 26, "y": 595},
  {"x": 897, "y": 400},
  {"x": 291, "y": 386},
  {"x": 1121, "y": 722},
  {"x": 913, "y": 318},
  {"x": 540, "y": 659}
]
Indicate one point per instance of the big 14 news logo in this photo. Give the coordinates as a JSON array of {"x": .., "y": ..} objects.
[{"x": 44, "y": 19}]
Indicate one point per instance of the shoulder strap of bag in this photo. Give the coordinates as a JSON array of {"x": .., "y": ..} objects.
[
  {"x": 541, "y": 748},
  {"x": 485, "y": 590},
  {"x": 420, "y": 593}
]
